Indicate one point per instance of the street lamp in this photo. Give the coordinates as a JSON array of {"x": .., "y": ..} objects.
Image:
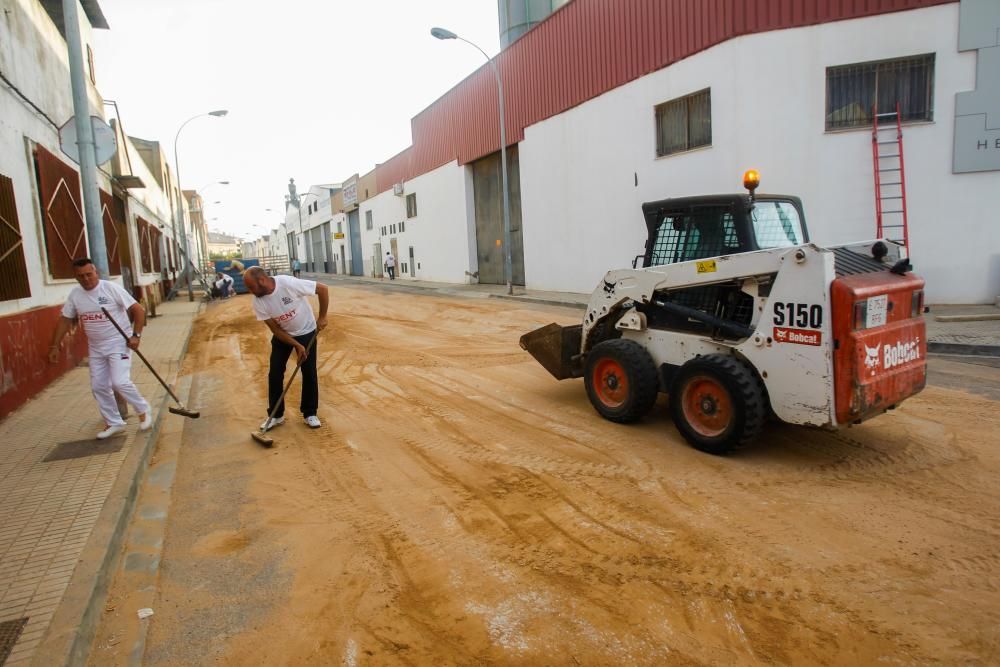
[
  {"x": 441, "y": 33},
  {"x": 180, "y": 208}
]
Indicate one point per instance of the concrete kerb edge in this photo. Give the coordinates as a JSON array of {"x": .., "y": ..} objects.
[
  {"x": 89, "y": 585},
  {"x": 966, "y": 349},
  {"x": 541, "y": 300}
]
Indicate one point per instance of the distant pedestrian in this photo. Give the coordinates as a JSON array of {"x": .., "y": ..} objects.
[
  {"x": 280, "y": 303},
  {"x": 296, "y": 268},
  {"x": 390, "y": 265},
  {"x": 224, "y": 282},
  {"x": 110, "y": 355}
]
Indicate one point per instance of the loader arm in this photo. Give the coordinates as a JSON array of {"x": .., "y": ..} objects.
[{"x": 640, "y": 285}]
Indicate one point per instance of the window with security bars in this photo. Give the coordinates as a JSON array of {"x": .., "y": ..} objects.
[
  {"x": 694, "y": 235},
  {"x": 13, "y": 270},
  {"x": 684, "y": 123},
  {"x": 854, "y": 91},
  {"x": 411, "y": 205}
]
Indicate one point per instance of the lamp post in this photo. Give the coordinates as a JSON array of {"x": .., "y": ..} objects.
[
  {"x": 441, "y": 33},
  {"x": 180, "y": 208}
]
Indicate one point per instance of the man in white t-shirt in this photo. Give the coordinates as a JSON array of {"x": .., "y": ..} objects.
[
  {"x": 110, "y": 355},
  {"x": 280, "y": 302},
  {"x": 390, "y": 265}
]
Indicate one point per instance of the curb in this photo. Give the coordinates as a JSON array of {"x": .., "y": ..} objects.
[
  {"x": 968, "y": 349},
  {"x": 75, "y": 629},
  {"x": 540, "y": 300}
]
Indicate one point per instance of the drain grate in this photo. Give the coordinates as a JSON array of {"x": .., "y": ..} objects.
[
  {"x": 77, "y": 449},
  {"x": 9, "y": 632}
]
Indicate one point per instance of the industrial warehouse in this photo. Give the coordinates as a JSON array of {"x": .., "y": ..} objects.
[{"x": 595, "y": 130}]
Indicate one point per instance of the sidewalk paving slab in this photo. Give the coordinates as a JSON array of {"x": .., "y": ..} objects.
[{"x": 60, "y": 519}]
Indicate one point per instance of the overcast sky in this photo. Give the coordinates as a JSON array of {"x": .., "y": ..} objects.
[{"x": 316, "y": 89}]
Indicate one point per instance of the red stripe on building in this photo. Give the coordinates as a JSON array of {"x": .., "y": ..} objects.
[
  {"x": 587, "y": 48},
  {"x": 24, "y": 365}
]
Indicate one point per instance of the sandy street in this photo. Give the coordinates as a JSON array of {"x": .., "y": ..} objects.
[{"x": 460, "y": 506}]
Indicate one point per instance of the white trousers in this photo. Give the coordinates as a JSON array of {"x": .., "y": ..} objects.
[{"x": 111, "y": 373}]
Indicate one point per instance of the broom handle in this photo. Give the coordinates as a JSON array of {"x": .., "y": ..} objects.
[
  {"x": 298, "y": 364},
  {"x": 148, "y": 365}
]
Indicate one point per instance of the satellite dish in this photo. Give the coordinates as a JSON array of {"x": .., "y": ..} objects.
[{"x": 105, "y": 141}]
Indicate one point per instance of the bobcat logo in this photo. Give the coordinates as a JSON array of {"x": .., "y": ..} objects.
[
  {"x": 872, "y": 357},
  {"x": 286, "y": 300}
]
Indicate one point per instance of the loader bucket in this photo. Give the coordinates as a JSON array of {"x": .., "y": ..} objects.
[{"x": 556, "y": 348}]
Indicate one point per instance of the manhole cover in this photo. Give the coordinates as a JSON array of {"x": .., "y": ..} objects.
[
  {"x": 79, "y": 448},
  {"x": 9, "y": 632}
]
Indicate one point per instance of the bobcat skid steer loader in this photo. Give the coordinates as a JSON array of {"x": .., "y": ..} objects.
[{"x": 738, "y": 317}]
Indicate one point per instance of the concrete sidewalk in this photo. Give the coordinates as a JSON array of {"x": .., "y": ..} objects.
[
  {"x": 951, "y": 329},
  {"x": 65, "y": 498}
]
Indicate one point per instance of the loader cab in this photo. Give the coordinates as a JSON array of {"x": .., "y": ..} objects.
[{"x": 693, "y": 228}]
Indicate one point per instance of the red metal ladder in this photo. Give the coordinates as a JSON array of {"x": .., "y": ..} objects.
[{"x": 890, "y": 178}]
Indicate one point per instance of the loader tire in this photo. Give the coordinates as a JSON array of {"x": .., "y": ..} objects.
[
  {"x": 717, "y": 403},
  {"x": 621, "y": 380}
]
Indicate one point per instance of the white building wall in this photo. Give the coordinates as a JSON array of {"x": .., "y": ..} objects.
[
  {"x": 581, "y": 204},
  {"x": 150, "y": 203},
  {"x": 443, "y": 232},
  {"x": 33, "y": 57}
]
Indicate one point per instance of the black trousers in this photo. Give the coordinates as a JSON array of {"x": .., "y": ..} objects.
[{"x": 276, "y": 376}]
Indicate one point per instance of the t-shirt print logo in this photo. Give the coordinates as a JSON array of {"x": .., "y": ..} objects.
[
  {"x": 103, "y": 300},
  {"x": 286, "y": 300}
]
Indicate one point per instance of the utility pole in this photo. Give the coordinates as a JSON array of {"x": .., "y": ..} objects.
[{"x": 85, "y": 139}]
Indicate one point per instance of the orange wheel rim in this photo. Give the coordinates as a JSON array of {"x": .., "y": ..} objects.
[
  {"x": 610, "y": 383},
  {"x": 707, "y": 406}
]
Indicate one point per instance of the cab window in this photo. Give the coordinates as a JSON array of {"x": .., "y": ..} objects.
[
  {"x": 776, "y": 224},
  {"x": 700, "y": 234}
]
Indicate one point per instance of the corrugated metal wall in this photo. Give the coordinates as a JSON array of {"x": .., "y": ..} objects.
[
  {"x": 587, "y": 48},
  {"x": 13, "y": 271}
]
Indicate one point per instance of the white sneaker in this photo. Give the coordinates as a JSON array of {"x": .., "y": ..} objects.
[
  {"x": 146, "y": 422},
  {"x": 268, "y": 424},
  {"x": 110, "y": 431},
  {"x": 313, "y": 422}
]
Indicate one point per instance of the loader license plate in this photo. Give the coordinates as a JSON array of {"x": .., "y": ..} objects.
[{"x": 875, "y": 312}]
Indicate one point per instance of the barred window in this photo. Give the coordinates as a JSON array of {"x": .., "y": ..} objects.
[
  {"x": 707, "y": 232},
  {"x": 776, "y": 224},
  {"x": 684, "y": 123},
  {"x": 411, "y": 205},
  {"x": 13, "y": 269},
  {"x": 854, "y": 91}
]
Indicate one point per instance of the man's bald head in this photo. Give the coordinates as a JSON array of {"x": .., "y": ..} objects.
[{"x": 257, "y": 281}]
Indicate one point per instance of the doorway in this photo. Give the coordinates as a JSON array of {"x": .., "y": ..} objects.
[
  {"x": 488, "y": 196},
  {"x": 354, "y": 230}
]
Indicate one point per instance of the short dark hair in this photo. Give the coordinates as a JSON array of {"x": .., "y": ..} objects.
[{"x": 83, "y": 261}]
